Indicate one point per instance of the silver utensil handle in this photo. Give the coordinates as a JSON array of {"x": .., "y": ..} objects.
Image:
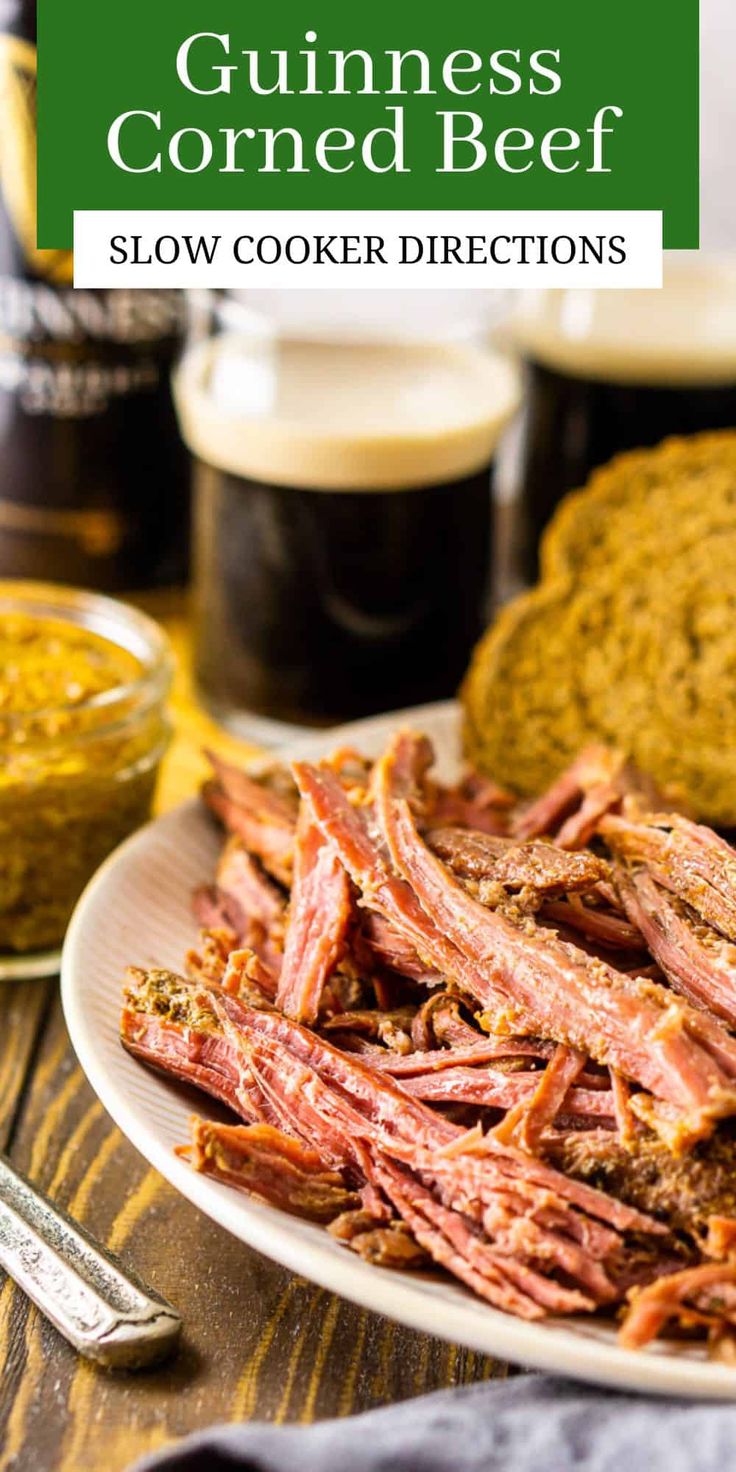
[{"x": 106, "y": 1312}]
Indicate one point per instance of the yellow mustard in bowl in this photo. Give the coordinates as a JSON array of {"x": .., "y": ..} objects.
[{"x": 83, "y": 686}]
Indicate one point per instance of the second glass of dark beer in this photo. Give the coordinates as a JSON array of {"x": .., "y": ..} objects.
[
  {"x": 342, "y": 521},
  {"x": 608, "y": 371}
]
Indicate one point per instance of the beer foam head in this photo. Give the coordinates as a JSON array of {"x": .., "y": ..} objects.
[
  {"x": 343, "y": 416},
  {"x": 683, "y": 334}
]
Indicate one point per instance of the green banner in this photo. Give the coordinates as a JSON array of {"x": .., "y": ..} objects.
[{"x": 216, "y": 104}]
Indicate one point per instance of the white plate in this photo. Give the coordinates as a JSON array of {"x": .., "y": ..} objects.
[{"x": 137, "y": 911}]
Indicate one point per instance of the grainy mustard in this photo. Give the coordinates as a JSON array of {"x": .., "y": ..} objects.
[
  {"x": 81, "y": 734},
  {"x": 49, "y": 664}
]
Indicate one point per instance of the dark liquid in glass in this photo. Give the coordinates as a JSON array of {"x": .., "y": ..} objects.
[
  {"x": 574, "y": 425},
  {"x": 321, "y": 606},
  {"x": 100, "y": 498}
]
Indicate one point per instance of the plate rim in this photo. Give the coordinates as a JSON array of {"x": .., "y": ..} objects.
[{"x": 550, "y": 1346}]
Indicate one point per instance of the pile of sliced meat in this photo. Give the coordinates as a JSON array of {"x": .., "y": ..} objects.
[{"x": 461, "y": 1032}]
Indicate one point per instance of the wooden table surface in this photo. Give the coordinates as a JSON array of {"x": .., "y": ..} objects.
[{"x": 258, "y": 1342}]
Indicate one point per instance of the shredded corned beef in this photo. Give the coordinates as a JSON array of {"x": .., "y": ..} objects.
[
  {"x": 319, "y": 918},
  {"x": 456, "y": 1033}
]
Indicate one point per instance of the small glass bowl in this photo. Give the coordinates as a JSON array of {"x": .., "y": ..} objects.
[{"x": 75, "y": 778}]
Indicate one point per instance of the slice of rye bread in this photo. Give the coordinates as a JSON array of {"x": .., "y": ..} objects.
[
  {"x": 630, "y": 638},
  {"x": 643, "y": 500}
]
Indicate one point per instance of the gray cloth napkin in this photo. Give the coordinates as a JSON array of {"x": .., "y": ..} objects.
[{"x": 529, "y": 1424}]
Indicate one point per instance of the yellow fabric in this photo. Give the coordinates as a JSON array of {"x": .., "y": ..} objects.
[{"x": 185, "y": 766}]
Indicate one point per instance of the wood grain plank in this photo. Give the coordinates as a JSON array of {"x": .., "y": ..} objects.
[
  {"x": 22, "y": 1008},
  {"x": 259, "y": 1341}
]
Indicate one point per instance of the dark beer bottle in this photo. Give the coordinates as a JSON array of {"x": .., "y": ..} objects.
[{"x": 93, "y": 477}]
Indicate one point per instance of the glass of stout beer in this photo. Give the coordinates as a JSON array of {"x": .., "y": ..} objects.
[
  {"x": 613, "y": 370},
  {"x": 342, "y": 519}
]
